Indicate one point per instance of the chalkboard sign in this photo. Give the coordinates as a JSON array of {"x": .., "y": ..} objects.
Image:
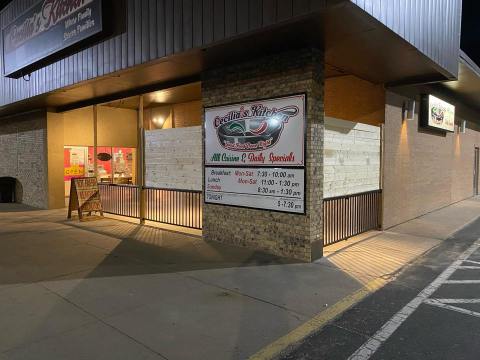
[{"x": 84, "y": 197}]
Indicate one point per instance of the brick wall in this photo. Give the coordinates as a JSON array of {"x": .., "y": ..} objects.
[
  {"x": 173, "y": 158},
  {"x": 291, "y": 235},
  {"x": 352, "y": 157},
  {"x": 23, "y": 145},
  {"x": 423, "y": 170}
]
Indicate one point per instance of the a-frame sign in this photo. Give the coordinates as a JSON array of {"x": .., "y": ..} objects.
[{"x": 84, "y": 197}]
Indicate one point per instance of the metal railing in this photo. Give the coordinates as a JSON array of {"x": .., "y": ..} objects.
[
  {"x": 121, "y": 200},
  {"x": 168, "y": 206},
  {"x": 350, "y": 215},
  {"x": 174, "y": 207}
]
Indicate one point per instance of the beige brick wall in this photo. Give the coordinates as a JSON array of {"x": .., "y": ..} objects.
[
  {"x": 423, "y": 171},
  {"x": 173, "y": 158},
  {"x": 23, "y": 145},
  {"x": 352, "y": 157},
  {"x": 292, "y": 235}
]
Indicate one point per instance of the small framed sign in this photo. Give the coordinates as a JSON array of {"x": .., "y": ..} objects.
[{"x": 437, "y": 114}]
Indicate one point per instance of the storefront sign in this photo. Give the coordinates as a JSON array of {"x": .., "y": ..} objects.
[
  {"x": 260, "y": 133},
  {"x": 84, "y": 196},
  {"x": 47, "y": 28},
  {"x": 265, "y": 188},
  {"x": 255, "y": 154},
  {"x": 438, "y": 114}
]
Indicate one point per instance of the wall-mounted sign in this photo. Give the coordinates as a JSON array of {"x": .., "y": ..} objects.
[
  {"x": 265, "y": 188},
  {"x": 260, "y": 133},
  {"x": 45, "y": 29},
  {"x": 438, "y": 114},
  {"x": 255, "y": 154}
]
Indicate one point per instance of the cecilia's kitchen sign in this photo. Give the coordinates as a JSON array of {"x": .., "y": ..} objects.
[
  {"x": 255, "y": 154},
  {"x": 261, "y": 133},
  {"x": 45, "y": 29},
  {"x": 438, "y": 114}
]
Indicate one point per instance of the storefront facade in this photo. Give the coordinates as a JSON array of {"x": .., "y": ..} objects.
[{"x": 266, "y": 124}]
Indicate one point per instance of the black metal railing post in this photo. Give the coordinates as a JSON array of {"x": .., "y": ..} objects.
[
  {"x": 169, "y": 206},
  {"x": 350, "y": 215}
]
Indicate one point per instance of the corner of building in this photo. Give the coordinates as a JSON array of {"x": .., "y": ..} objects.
[{"x": 292, "y": 235}]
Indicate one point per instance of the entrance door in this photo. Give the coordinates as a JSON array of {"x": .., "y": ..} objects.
[{"x": 475, "y": 171}]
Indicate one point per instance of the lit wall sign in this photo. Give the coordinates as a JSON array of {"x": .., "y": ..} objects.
[
  {"x": 438, "y": 114},
  {"x": 45, "y": 29},
  {"x": 255, "y": 154}
]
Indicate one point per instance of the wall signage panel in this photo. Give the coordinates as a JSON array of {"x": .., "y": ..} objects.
[
  {"x": 255, "y": 154},
  {"x": 261, "y": 133},
  {"x": 46, "y": 28},
  {"x": 265, "y": 188},
  {"x": 438, "y": 114}
]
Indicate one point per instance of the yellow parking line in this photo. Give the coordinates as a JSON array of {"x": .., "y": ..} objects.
[{"x": 317, "y": 322}]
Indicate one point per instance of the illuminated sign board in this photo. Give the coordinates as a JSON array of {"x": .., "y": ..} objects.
[
  {"x": 45, "y": 29},
  {"x": 438, "y": 114},
  {"x": 255, "y": 154}
]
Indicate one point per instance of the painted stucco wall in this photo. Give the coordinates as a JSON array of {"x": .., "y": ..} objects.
[
  {"x": 423, "y": 170},
  {"x": 351, "y": 157},
  {"x": 351, "y": 98},
  {"x": 173, "y": 158},
  {"x": 23, "y": 145},
  {"x": 116, "y": 126}
]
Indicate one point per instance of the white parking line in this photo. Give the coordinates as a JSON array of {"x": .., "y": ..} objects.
[
  {"x": 371, "y": 346},
  {"x": 463, "y": 267},
  {"x": 435, "y": 302},
  {"x": 458, "y": 301},
  {"x": 472, "y": 262},
  {"x": 462, "y": 282}
]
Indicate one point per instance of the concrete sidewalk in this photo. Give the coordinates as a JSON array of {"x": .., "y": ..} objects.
[{"x": 115, "y": 290}]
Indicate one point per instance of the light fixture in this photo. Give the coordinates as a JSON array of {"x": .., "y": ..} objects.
[
  {"x": 159, "y": 121},
  {"x": 462, "y": 126},
  {"x": 408, "y": 110}
]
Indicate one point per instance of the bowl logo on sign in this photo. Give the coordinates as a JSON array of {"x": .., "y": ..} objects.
[
  {"x": 438, "y": 114},
  {"x": 257, "y": 128}
]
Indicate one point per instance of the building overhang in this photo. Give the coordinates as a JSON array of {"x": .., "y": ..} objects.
[
  {"x": 353, "y": 42},
  {"x": 467, "y": 88}
]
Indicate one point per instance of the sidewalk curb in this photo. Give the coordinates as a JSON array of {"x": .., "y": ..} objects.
[{"x": 318, "y": 321}]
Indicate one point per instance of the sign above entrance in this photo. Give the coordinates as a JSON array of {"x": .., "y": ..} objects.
[
  {"x": 45, "y": 29},
  {"x": 259, "y": 133},
  {"x": 438, "y": 114}
]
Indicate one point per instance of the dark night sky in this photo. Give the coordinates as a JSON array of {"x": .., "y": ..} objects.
[
  {"x": 470, "y": 28},
  {"x": 3, "y": 3}
]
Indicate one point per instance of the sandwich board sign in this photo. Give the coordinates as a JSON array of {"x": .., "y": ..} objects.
[{"x": 84, "y": 197}]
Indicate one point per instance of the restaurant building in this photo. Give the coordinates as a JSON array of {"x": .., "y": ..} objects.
[{"x": 278, "y": 125}]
